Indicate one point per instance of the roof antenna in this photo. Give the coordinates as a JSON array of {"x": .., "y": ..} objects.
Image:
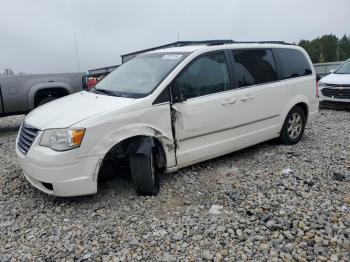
[
  {"x": 76, "y": 52},
  {"x": 178, "y": 36}
]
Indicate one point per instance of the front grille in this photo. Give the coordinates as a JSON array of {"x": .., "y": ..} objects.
[
  {"x": 26, "y": 138},
  {"x": 340, "y": 92}
]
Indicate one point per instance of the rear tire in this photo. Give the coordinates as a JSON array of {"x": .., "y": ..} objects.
[
  {"x": 46, "y": 100},
  {"x": 293, "y": 127},
  {"x": 144, "y": 174}
]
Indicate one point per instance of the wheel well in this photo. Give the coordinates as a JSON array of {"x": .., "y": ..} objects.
[
  {"x": 41, "y": 94},
  {"x": 115, "y": 161},
  {"x": 305, "y": 108}
]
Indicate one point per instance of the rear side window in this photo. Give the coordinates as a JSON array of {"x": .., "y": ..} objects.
[
  {"x": 207, "y": 75},
  {"x": 254, "y": 66},
  {"x": 293, "y": 63}
]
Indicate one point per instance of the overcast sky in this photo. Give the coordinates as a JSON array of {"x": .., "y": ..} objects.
[{"x": 37, "y": 36}]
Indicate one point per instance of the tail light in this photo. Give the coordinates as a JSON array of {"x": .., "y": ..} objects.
[
  {"x": 317, "y": 87},
  {"x": 91, "y": 82}
]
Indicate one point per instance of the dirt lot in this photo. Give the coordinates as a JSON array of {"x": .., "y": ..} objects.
[{"x": 278, "y": 203}]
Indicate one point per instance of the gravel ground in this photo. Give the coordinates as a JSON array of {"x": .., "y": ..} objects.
[{"x": 268, "y": 202}]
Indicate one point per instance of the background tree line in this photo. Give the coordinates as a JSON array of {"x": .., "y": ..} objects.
[{"x": 327, "y": 48}]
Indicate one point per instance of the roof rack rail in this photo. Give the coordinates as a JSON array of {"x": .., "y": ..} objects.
[
  {"x": 228, "y": 41},
  {"x": 205, "y": 42},
  {"x": 263, "y": 42}
]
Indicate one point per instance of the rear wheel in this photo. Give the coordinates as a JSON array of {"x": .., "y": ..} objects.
[
  {"x": 46, "y": 100},
  {"x": 144, "y": 174},
  {"x": 294, "y": 126}
]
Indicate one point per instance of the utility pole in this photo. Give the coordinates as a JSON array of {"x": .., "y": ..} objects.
[
  {"x": 338, "y": 51},
  {"x": 76, "y": 52}
]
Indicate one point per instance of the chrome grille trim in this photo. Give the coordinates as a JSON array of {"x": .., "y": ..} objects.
[
  {"x": 343, "y": 93},
  {"x": 27, "y": 135}
]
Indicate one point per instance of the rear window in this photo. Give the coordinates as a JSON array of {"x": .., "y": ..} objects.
[
  {"x": 254, "y": 66},
  {"x": 294, "y": 63}
]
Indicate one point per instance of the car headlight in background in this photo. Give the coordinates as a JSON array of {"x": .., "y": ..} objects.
[
  {"x": 62, "y": 139},
  {"x": 321, "y": 85}
]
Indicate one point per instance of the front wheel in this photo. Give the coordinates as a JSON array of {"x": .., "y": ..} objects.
[
  {"x": 293, "y": 127},
  {"x": 144, "y": 174}
]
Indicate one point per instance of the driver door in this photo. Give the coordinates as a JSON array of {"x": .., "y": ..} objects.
[{"x": 206, "y": 100}]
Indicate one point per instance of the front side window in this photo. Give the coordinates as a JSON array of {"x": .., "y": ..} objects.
[
  {"x": 207, "y": 75},
  {"x": 294, "y": 63},
  {"x": 139, "y": 76},
  {"x": 254, "y": 66},
  {"x": 344, "y": 68}
]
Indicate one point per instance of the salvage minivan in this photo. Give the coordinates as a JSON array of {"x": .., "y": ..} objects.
[{"x": 168, "y": 109}]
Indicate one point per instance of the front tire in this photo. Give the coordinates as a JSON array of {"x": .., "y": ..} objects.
[
  {"x": 144, "y": 174},
  {"x": 293, "y": 127}
]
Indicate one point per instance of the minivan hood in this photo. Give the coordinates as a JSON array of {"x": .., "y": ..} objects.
[
  {"x": 337, "y": 79},
  {"x": 71, "y": 109}
]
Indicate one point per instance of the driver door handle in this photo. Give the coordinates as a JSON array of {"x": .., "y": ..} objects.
[{"x": 230, "y": 101}]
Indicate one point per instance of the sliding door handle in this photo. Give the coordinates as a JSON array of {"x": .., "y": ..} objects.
[{"x": 229, "y": 101}]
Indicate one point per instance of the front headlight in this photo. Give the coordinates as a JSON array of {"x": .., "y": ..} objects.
[{"x": 62, "y": 139}]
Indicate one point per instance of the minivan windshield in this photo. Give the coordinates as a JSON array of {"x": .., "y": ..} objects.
[
  {"x": 344, "y": 68},
  {"x": 139, "y": 76}
]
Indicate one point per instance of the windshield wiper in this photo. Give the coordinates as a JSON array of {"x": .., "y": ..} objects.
[
  {"x": 116, "y": 93},
  {"x": 105, "y": 91}
]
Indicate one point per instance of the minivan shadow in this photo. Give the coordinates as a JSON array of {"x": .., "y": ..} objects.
[{"x": 121, "y": 186}]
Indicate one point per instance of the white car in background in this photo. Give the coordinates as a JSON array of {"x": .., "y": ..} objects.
[
  {"x": 334, "y": 89},
  {"x": 168, "y": 109}
]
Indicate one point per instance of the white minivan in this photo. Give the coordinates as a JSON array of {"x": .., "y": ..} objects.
[{"x": 168, "y": 109}]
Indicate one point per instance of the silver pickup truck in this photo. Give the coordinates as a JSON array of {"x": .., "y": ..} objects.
[{"x": 19, "y": 94}]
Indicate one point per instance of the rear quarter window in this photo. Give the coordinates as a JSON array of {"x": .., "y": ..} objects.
[
  {"x": 293, "y": 63},
  {"x": 254, "y": 66}
]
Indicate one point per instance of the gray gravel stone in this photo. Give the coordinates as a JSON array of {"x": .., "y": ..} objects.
[
  {"x": 205, "y": 254},
  {"x": 266, "y": 214}
]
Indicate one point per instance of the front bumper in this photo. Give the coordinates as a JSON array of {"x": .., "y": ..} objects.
[
  {"x": 59, "y": 173},
  {"x": 335, "y": 105}
]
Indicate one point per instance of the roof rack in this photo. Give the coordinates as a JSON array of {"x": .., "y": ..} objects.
[
  {"x": 205, "y": 42},
  {"x": 262, "y": 42},
  {"x": 228, "y": 41},
  {"x": 126, "y": 57},
  {"x": 183, "y": 43},
  {"x": 208, "y": 43}
]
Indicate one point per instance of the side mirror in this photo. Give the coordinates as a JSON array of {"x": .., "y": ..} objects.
[
  {"x": 177, "y": 95},
  {"x": 331, "y": 71}
]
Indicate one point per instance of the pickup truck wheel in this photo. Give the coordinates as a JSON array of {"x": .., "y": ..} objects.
[
  {"x": 46, "y": 100},
  {"x": 144, "y": 174},
  {"x": 293, "y": 127}
]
